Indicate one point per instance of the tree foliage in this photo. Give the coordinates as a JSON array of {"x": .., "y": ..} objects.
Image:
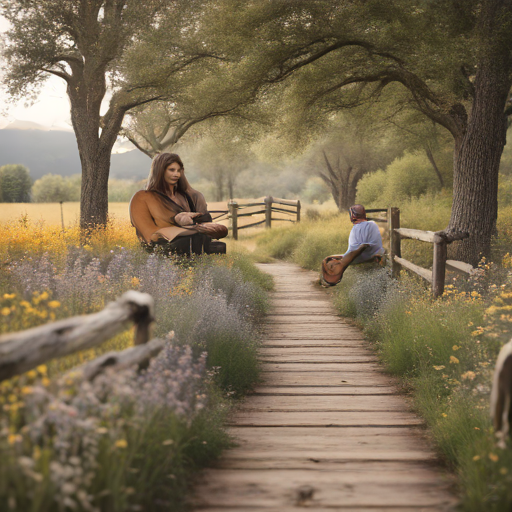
[
  {"x": 53, "y": 188},
  {"x": 15, "y": 184},
  {"x": 138, "y": 52}
]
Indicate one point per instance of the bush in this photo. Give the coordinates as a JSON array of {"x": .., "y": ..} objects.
[
  {"x": 407, "y": 177},
  {"x": 15, "y": 184},
  {"x": 53, "y": 188},
  {"x": 121, "y": 191}
]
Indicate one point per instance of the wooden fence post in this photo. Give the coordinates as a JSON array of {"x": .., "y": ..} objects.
[
  {"x": 268, "y": 211},
  {"x": 233, "y": 217},
  {"x": 298, "y": 211},
  {"x": 439, "y": 266},
  {"x": 394, "y": 239}
]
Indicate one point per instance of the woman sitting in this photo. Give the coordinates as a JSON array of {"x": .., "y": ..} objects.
[{"x": 171, "y": 213}]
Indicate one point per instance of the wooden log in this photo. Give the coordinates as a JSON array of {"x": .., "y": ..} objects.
[
  {"x": 233, "y": 216},
  {"x": 288, "y": 202},
  {"x": 268, "y": 211},
  {"x": 298, "y": 211},
  {"x": 416, "y": 234},
  {"x": 439, "y": 266},
  {"x": 23, "y": 351},
  {"x": 452, "y": 236},
  {"x": 394, "y": 239},
  {"x": 139, "y": 355},
  {"x": 460, "y": 266},
  {"x": 248, "y": 205},
  {"x": 422, "y": 272},
  {"x": 252, "y": 225}
]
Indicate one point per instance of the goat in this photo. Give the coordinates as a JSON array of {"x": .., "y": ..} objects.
[{"x": 501, "y": 394}]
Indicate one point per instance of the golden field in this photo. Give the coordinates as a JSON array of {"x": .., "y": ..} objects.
[{"x": 50, "y": 213}]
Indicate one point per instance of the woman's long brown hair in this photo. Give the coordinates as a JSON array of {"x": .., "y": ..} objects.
[{"x": 156, "y": 178}]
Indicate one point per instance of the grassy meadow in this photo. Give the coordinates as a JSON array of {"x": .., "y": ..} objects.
[
  {"x": 128, "y": 440},
  {"x": 443, "y": 350}
]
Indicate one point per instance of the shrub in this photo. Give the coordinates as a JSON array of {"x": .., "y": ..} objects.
[
  {"x": 15, "y": 184},
  {"x": 53, "y": 188}
]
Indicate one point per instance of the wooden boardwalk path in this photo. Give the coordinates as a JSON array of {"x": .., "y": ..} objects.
[{"x": 326, "y": 429}]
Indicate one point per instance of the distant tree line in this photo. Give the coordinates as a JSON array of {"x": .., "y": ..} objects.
[{"x": 16, "y": 186}]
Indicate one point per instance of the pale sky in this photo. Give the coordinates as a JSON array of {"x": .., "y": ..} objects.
[{"x": 51, "y": 109}]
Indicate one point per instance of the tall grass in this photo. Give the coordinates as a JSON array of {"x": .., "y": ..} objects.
[{"x": 444, "y": 350}]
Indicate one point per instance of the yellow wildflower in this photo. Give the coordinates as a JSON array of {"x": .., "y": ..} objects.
[
  {"x": 32, "y": 374},
  {"x": 503, "y": 471},
  {"x": 54, "y": 304},
  {"x": 135, "y": 282},
  {"x": 121, "y": 443},
  {"x": 45, "y": 382},
  {"x": 42, "y": 369},
  {"x": 455, "y": 347},
  {"x": 440, "y": 367},
  {"x": 493, "y": 457},
  {"x": 27, "y": 390},
  {"x": 44, "y": 296},
  {"x": 14, "y": 438},
  {"x": 444, "y": 415},
  {"x": 469, "y": 375},
  {"x": 476, "y": 457},
  {"x": 454, "y": 360},
  {"x": 6, "y": 311},
  {"x": 9, "y": 296}
]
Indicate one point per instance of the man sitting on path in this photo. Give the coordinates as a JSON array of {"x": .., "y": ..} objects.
[{"x": 364, "y": 245}]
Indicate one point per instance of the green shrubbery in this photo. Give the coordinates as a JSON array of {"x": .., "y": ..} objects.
[{"x": 409, "y": 176}]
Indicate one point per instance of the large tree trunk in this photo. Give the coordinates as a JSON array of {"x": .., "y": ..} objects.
[
  {"x": 94, "y": 148},
  {"x": 477, "y": 157}
]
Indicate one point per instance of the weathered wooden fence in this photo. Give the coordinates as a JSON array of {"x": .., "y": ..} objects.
[
  {"x": 440, "y": 240},
  {"x": 22, "y": 351},
  {"x": 236, "y": 210}
]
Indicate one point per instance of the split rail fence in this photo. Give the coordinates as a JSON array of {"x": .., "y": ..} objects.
[
  {"x": 236, "y": 210},
  {"x": 23, "y": 351},
  {"x": 440, "y": 240}
]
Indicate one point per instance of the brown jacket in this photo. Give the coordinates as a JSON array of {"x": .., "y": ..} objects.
[{"x": 153, "y": 218}]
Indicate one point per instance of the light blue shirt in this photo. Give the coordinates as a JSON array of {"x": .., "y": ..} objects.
[{"x": 365, "y": 233}]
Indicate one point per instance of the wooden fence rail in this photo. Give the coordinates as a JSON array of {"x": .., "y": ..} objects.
[
  {"x": 440, "y": 241},
  {"x": 236, "y": 210},
  {"x": 25, "y": 350}
]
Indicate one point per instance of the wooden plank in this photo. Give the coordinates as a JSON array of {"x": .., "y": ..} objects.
[
  {"x": 327, "y": 419},
  {"x": 321, "y": 378},
  {"x": 344, "y": 343},
  {"x": 460, "y": 266},
  {"x": 318, "y": 359},
  {"x": 422, "y": 272},
  {"x": 416, "y": 234},
  {"x": 23, "y": 351},
  {"x": 410, "y": 438},
  {"x": 139, "y": 355},
  {"x": 324, "y": 390},
  {"x": 341, "y": 367},
  {"x": 324, "y": 403},
  {"x": 304, "y": 456},
  {"x": 389, "y": 486},
  {"x": 304, "y": 351}
]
